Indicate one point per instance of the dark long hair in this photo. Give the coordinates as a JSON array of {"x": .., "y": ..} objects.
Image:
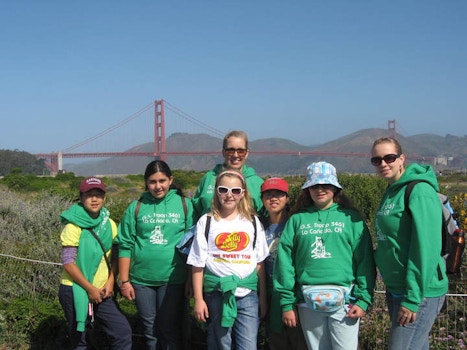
[{"x": 159, "y": 166}]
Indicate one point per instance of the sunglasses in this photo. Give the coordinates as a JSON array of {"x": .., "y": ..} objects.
[
  {"x": 273, "y": 194},
  {"x": 235, "y": 191},
  {"x": 388, "y": 159},
  {"x": 323, "y": 186},
  {"x": 241, "y": 152}
]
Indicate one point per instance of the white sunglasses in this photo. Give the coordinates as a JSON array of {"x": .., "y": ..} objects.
[{"x": 235, "y": 191}]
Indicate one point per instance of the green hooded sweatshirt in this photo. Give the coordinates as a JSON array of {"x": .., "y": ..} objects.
[
  {"x": 202, "y": 199},
  {"x": 330, "y": 246},
  {"x": 408, "y": 251},
  {"x": 89, "y": 252},
  {"x": 150, "y": 241}
]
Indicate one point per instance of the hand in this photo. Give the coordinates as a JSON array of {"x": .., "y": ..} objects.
[
  {"x": 95, "y": 295},
  {"x": 405, "y": 316},
  {"x": 200, "y": 310},
  {"x": 355, "y": 312},
  {"x": 290, "y": 318},
  {"x": 127, "y": 291}
]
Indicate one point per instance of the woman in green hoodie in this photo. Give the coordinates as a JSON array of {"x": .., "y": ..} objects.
[
  {"x": 235, "y": 152},
  {"x": 409, "y": 246},
  {"x": 152, "y": 272},
  {"x": 86, "y": 289}
]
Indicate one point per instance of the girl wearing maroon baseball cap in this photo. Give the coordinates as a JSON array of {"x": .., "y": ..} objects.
[{"x": 88, "y": 278}]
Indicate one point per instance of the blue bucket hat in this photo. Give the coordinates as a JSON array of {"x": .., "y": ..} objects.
[{"x": 321, "y": 173}]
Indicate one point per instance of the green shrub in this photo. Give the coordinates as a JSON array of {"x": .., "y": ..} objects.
[{"x": 33, "y": 322}]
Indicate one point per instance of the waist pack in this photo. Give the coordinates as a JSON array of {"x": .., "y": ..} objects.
[{"x": 325, "y": 298}]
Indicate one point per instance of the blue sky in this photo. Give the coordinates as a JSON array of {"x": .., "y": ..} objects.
[{"x": 310, "y": 71}]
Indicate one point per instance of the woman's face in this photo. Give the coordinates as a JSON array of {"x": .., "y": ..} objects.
[
  {"x": 159, "y": 184},
  {"x": 235, "y": 153},
  {"x": 322, "y": 195},
  {"x": 390, "y": 171}
]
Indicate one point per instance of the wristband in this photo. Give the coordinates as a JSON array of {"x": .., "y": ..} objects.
[{"x": 123, "y": 282}]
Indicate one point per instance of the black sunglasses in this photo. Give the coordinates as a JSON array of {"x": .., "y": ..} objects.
[{"x": 388, "y": 159}]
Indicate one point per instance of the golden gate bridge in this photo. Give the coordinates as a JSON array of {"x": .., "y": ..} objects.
[{"x": 54, "y": 160}]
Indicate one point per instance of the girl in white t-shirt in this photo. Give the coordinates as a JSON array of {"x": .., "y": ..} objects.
[{"x": 229, "y": 280}]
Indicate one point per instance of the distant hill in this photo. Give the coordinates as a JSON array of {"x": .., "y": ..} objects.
[{"x": 449, "y": 151}]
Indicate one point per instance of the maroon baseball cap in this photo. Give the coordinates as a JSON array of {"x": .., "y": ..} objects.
[
  {"x": 90, "y": 183},
  {"x": 275, "y": 183}
]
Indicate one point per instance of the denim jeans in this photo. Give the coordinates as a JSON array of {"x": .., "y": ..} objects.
[
  {"x": 415, "y": 335},
  {"x": 244, "y": 332},
  {"x": 107, "y": 313},
  {"x": 329, "y": 330},
  {"x": 161, "y": 310}
]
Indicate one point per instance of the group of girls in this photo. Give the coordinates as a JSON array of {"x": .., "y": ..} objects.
[{"x": 309, "y": 271}]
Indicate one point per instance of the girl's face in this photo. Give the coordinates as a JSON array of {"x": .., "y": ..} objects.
[
  {"x": 389, "y": 170},
  {"x": 230, "y": 191},
  {"x": 158, "y": 184},
  {"x": 235, "y": 153},
  {"x": 322, "y": 195},
  {"x": 93, "y": 201},
  {"x": 274, "y": 201}
]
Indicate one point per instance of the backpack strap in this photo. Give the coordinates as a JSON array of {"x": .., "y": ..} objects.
[
  {"x": 138, "y": 205},
  {"x": 254, "y": 234},
  {"x": 184, "y": 204},
  {"x": 207, "y": 227},
  {"x": 408, "y": 191},
  {"x": 109, "y": 266}
]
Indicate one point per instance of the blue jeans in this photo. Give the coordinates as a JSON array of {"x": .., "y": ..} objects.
[
  {"x": 161, "y": 310},
  {"x": 329, "y": 330},
  {"x": 107, "y": 313},
  {"x": 415, "y": 335},
  {"x": 244, "y": 332}
]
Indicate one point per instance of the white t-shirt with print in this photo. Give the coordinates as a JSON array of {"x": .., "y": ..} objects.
[{"x": 229, "y": 250}]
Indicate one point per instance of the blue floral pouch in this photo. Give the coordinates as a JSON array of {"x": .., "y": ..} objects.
[{"x": 325, "y": 298}]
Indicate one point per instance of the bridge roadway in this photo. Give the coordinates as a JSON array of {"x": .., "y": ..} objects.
[{"x": 214, "y": 153}]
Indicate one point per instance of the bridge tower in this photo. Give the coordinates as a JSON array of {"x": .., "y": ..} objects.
[
  {"x": 160, "y": 151},
  {"x": 392, "y": 129}
]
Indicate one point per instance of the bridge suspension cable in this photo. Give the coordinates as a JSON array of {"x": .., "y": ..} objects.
[
  {"x": 112, "y": 128},
  {"x": 193, "y": 120}
]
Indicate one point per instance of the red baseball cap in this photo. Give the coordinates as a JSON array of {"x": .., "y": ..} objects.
[
  {"x": 90, "y": 183},
  {"x": 275, "y": 183}
]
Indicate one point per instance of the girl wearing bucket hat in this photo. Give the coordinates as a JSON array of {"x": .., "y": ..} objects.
[{"x": 324, "y": 266}]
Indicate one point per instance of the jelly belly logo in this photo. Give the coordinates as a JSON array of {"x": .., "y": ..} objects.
[{"x": 232, "y": 241}]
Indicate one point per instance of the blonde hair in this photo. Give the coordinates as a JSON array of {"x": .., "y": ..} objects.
[
  {"x": 235, "y": 133},
  {"x": 245, "y": 208},
  {"x": 390, "y": 140}
]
